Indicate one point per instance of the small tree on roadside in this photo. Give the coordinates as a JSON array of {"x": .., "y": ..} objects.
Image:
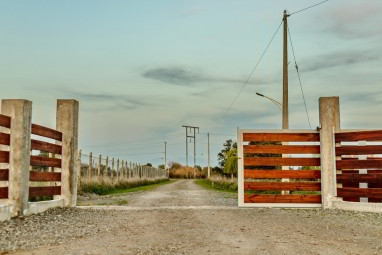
[{"x": 230, "y": 166}]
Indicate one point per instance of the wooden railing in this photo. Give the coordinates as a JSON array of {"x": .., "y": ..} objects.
[
  {"x": 271, "y": 177},
  {"x": 5, "y": 122},
  {"x": 41, "y": 161},
  {"x": 359, "y": 167}
]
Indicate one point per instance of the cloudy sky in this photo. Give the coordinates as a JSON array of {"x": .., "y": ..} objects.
[{"x": 142, "y": 69}]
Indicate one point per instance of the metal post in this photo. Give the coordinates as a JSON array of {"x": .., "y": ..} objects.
[
  {"x": 285, "y": 117},
  {"x": 90, "y": 167},
  {"x": 209, "y": 166}
]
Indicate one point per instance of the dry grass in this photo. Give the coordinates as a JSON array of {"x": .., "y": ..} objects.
[{"x": 186, "y": 172}]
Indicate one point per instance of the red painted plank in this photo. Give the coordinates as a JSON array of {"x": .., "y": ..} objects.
[
  {"x": 3, "y": 192},
  {"x": 43, "y": 161},
  {"x": 282, "y": 149},
  {"x": 5, "y": 121},
  {"x": 252, "y": 198},
  {"x": 358, "y": 164},
  {"x": 4, "y": 156},
  {"x": 47, "y": 147},
  {"x": 5, "y": 139},
  {"x": 36, "y": 176},
  {"x": 46, "y": 132},
  {"x": 4, "y": 174},
  {"x": 359, "y": 150},
  {"x": 44, "y": 191},
  {"x": 278, "y": 174},
  {"x": 357, "y": 178},
  {"x": 270, "y": 161},
  {"x": 281, "y": 137},
  {"x": 300, "y": 186},
  {"x": 374, "y": 135},
  {"x": 360, "y": 192}
]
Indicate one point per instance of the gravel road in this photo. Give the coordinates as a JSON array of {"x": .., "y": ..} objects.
[{"x": 183, "y": 218}]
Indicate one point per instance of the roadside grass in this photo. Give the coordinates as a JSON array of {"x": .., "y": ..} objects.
[
  {"x": 108, "y": 188},
  {"x": 222, "y": 185}
]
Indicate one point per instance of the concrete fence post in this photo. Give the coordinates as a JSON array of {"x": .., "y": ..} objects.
[
  {"x": 105, "y": 173},
  {"x": 67, "y": 123},
  {"x": 112, "y": 168},
  {"x": 126, "y": 170},
  {"x": 79, "y": 169},
  {"x": 329, "y": 123},
  {"x": 117, "y": 170},
  {"x": 90, "y": 167},
  {"x": 99, "y": 166},
  {"x": 123, "y": 169},
  {"x": 20, "y": 112}
]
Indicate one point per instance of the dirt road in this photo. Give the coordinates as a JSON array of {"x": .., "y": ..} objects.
[{"x": 183, "y": 218}]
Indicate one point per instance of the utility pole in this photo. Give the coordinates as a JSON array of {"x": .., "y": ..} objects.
[
  {"x": 209, "y": 166},
  {"x": 193, "y": 136},
  {"x": 165, "y": 157},
  {"x": 285, "y": 113}
]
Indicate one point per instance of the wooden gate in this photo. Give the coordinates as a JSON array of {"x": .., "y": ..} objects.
[
  {"x": 279, "y": 168},
  {"x": 359, "y": 166}
]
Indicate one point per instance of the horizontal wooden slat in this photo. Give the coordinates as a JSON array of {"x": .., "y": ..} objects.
[
  {"x": 270, "y": 161},
  {"x": 282, "y": 149},
  {"x": 360, "y": 192},
  {"x": 359, "y": 164},
  {"x": 5, "y": 121},
  {"x": 4, "y": 156},
  {"x": 44, "y": 191},
  {"x": 359, "y": 150},
  {"x": 4, "y": 174},
  {"x": 281, "y": 137},
  {"x": 301, "y": 186},
  {"x": 252, "y": 198},
  {"x": 346, "y": 171},
  {"x": 43, "y": 161},
  {"x": 47, "y": 147},
  {"x": 46, "y": 132},
  {"x": 35, "y": 176},
  {"x": 5, "y": 139},
  {"x": 278, "y": 174},
  {"x": 357, "y": 178},
  {"x": 375, "y": 135},
  {"x": 3, "y": 192}
]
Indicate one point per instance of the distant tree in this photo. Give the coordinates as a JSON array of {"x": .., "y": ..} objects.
[
  {"x": 161, "y": 166},
  {"x": 223, "y": 154},
  {"x": 149, "y": 164},
  {"x": 174, "y": 165},
  {"x": 230, "y": 166}
]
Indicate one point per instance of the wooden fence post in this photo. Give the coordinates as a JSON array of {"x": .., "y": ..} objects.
[
  {"x": 112, "y": 168},
  {"x": 67, "y": 123},
  {"x": 106, "y": 172},
  {"x": 123, "y": 169},
  {"x": 20, "y": 112},
  {"x": 117, "y": 171},
  {"x": 329, "y": 123}
]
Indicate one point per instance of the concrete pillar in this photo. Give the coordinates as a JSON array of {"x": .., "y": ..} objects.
[
  {"x": 329, "y": 123},
  {"x": 67, "y": 123},
  {"x": 99, "y": 166},
  {"x": 90, "y": 167},
  {"x": 105, "y": 173},
  {"x": 20, "y": 112}
]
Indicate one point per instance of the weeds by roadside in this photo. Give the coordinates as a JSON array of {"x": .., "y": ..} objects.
[
  {"x": 106, "y": 187},
  {"x": 219, "y": 183}
]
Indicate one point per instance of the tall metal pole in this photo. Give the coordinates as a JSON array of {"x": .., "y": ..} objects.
[
  {"x": 186, "y": 146},
  {"x": 209, "y": 166},
  {"x": 285, "y": 117},
  {"x": 194, "y": 154}
]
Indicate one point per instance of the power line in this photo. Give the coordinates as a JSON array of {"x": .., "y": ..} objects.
[
  {"x": 299, "y": 78},
  {"x": 253, "y": 70},
  {"x": 308, "y": 7}
]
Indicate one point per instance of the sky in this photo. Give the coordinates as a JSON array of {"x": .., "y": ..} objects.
[{"x": 142, "y": 69}]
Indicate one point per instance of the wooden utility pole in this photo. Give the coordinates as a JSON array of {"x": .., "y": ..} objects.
[
  {"x": 165, "y": 157},
  {"x": 285, "y": 115}
]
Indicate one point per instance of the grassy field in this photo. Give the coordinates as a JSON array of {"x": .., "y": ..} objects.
[
  {"x": 223, "y": 185},
  {"x": 107, "y": 188}
]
